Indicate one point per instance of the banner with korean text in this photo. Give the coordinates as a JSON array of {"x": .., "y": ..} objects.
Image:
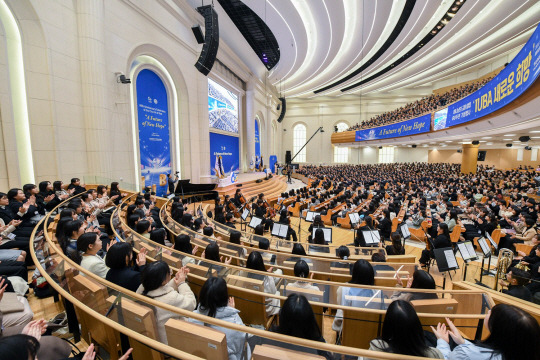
[
  {"x": 405, "y": 128},
  {"x": 510, "y": 83},
  {"x": 154, "y": 136}
]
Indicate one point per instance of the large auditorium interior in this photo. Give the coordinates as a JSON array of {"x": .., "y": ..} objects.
[{"x": 270, "y": 179}]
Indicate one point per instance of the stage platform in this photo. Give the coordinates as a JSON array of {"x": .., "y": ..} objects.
[{"x": 254, "y": 183}]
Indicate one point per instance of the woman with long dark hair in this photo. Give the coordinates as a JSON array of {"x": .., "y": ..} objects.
[
  {"x": 362, "y": 273},
  {"x": 121, "y": 272},
  {"x": 157, "y": 283},
  {"x": 514, "y": 335},
  {"x": 402, "y": 333},
  {"x": 297, "y": 319},
  {"x": 255, "y": 262},
  {"x": 214, "y": 301}
]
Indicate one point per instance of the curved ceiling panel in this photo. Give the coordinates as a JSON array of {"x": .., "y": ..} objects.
[
  {"x": 323, "y": 41},
  {"x": 400, "y": 25}
]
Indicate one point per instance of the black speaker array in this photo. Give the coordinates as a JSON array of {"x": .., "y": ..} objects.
[
  {"x": 476, "y": 142},
  {"x": 283, "y": 109},
  {"x": 288, "y": 156},
  {"x": 414, "y": 146},
  {"x": 211, "y": 39}
]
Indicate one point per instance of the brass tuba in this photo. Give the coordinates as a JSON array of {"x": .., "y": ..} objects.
[{"x": 503, "y": 263}]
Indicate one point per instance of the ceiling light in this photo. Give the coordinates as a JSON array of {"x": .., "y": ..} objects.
[
  {"x": 516, "y": 141},
  {"x": 489, "y": 143},
  {"x": 486, "y": 137},
  {"x": 513, "y": 134},
  {"x": 448, "y": 141},
  {"x": 535, "y": 137},
  {"x": 466, "y": 139},
  {"x": 535, "y": 131},
  {"x": 482, "y": 141}
]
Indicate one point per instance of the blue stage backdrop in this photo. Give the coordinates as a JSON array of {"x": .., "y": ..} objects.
[
  {"x": 154, "y": 136},
  {"x": 228, "y": 147},
  {"x": 405, "y": 128},
  {"x": 257, "y": 139},
  {"x": 510, "y": 83}
]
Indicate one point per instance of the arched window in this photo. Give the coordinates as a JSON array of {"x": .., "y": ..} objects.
[
  {"x": 341, "y": 154},
  {"x": 299, "y": 139},
  {"x": 342, "y": 127}
]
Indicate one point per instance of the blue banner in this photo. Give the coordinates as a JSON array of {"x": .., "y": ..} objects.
[
  {"x": 405, "y": 128},
  {"x": 257, "y": 139},
  {"x": 510, "y": 83},
  {"x": 154, "y": 137},
  {"x": 226, "y": 146},
  {"x": 273, "y": 161}
]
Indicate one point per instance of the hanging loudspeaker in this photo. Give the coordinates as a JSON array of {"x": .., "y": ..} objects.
[
  {"x": 211, "y": 40},
  {"x": 283, "y": 109}
]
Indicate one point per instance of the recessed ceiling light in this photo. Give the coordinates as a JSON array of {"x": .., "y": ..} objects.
[
  {"x": 516, "y": 141},
  {"x": 448, "y": 140},
  {"x": 486, "y": 137},
  {"x": 510, "y": 135},
  {"x": 535, "y": 137},
  {"x": 482, "y": 141},
  {"x": 536, "y": 131},
  {"x": 425, "y": 145},
  {"x": 466, "y": 139},
  {"x": 489, "y": 143},
  {"x": 507, "y": 139}
]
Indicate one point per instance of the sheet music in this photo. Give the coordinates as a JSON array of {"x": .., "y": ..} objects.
[
  {"x": 354, "y": 217},
  {"x": 485, "y": 248},
  {"x": 371, "y": 237},
  {"x": 245, "y": 214},
  {"x": 275, "y": 229},
  {"x": 493, "y": 243},
  {"x": 310, "y": 216},
  {"x": 470, "y": 247},
  {"x": 254, "y": 222},
  {"x": 464, "y": 251},
  {"x": 283, "y": 231},
  {"x": 405, "y": 231},
  {"x": 450, "y": 259}
]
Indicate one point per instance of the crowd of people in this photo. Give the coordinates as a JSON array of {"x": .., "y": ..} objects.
[
  {"x": 488, "y": 200},
  {"x": 420, "y": 107}
]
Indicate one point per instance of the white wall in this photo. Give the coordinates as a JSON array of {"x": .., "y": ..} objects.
[
  {"x": 407, "y": 154},
  {"x": 83, "y": 128}
]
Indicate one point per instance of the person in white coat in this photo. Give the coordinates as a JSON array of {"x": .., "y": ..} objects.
[
  {"x": 88, "y": 245},
  {"x": 156, "y": 283},
  {"x": 514, "y": 335},
  {"x": 214, "y": 301}
]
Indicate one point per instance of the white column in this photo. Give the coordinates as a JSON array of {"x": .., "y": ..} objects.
[
  {"x": 249, "y": 146},
  {"x": 90, "y": 26}
]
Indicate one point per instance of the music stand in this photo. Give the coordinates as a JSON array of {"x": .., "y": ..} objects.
[
  {"x": 486, "y": 252},
  {"x": 354, "y": 218},
  {"x": 404, "y": 229},
  {"x": 467, "y": 253},
  {"x": 446, "y": 261},
  {"x": 243, "y": 218},
  {"x": 254, "y": 222},
  {"x": 310, "y": 216},
  {"x": 371, "y": 237}
]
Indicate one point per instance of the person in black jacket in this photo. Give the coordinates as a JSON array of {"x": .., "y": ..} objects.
[
  {"x": 359, "y": 238},
  {"x": 260, "y": 212},
  {"x": 76, "y": 184},
  {"x": 385, "y": 225},
  {"x": 22, "y": 208},
  {"x": 119, "y": 259},
  {"x": 441, "y": 241},
  {"x": 517, "y": 279}
]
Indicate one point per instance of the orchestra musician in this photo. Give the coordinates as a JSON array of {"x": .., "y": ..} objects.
[
  {"x": 260, "y": 212},
  {"x": 237, "y": 196},
  {"x": 284, "y": 219}
]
